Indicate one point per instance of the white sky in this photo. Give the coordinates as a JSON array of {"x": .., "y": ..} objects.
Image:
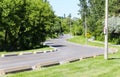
[{"x": 62, "y": 7}]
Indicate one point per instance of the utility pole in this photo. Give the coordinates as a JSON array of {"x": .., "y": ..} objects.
[
  {"x": 86, "y": 29},
  {"x": 106, "y": 30},
  {"x": 70, "y": 25}
]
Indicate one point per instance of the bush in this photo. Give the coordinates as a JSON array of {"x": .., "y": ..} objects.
[
  {"x": 77, "y": 30},
  {"x": 114, "y": 38}
]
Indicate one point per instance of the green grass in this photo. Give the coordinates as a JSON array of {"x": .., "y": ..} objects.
[
  {"x": 82, "y": 40},
  {"x": 91, "y": 67},
  {"x": 77, "y": 39}
]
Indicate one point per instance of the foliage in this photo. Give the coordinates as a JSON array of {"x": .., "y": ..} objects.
[
  {"x": 24, "y": 23},
  {"x": 71, "y": 25},
  {"x": 66, "y": 23},
  {"x": 114, "y": 9},
  {"x": 77, "y": 28},
  {"x": 93, "y": 11},
  {"x": 114, "y": 24}
]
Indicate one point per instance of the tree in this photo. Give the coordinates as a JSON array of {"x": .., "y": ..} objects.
[
  {"x": 95, "y": 17},
  {"x": 25, "y": 23},
  {"x": 77, "y": 28},
  {"x": 114, "y": 29},
  {"x": 114, "y": 9}
]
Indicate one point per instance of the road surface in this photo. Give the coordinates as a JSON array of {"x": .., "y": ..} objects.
[{"x": 66, "y": 52}]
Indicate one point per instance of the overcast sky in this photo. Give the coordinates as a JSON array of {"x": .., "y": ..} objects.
[{"x": 62, "y": 7}]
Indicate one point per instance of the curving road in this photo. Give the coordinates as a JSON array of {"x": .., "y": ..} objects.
[{"x": 66, "y": 52}]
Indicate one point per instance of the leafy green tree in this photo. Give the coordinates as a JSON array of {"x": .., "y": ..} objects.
[
  {"x": 66, "y": 25},
  {"x": 114, "y": 9},
  {"x": 95, "y": 16},
  {"x": 114, "y": 29},
  {"x": 77, "y": 27},
  {"x": 25, "y": 23}
]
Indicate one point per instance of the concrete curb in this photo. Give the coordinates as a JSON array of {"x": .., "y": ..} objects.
[
  {"x": 39, "y": 52},
  {"x": 28, "y": 53},
  {"x": 25, "y": 53},
  {"x": 14, "y": 69},
  {"x": 44, "y": 64},
  {"x": 8, "y": 55}
]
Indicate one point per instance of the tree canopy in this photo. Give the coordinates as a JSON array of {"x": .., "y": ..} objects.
[
  {"x": 95, "y": 10},
  {"x": 24, "y": 24}
]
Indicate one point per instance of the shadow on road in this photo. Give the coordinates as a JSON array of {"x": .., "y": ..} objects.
[{"x": 58, "y": 45}]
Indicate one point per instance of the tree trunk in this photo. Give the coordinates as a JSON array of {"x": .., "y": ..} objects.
[{"x": 5, "y": 40}]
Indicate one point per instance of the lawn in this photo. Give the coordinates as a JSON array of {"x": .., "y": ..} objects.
[
  {"x": 82, "y": 40},
  {"x": 91, "y": 67}
]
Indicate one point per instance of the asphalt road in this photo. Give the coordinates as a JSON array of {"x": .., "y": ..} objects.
[{"x": 66, "y": 52}]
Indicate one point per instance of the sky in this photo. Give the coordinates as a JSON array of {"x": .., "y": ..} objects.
[{"x": 66, "y": 7}]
